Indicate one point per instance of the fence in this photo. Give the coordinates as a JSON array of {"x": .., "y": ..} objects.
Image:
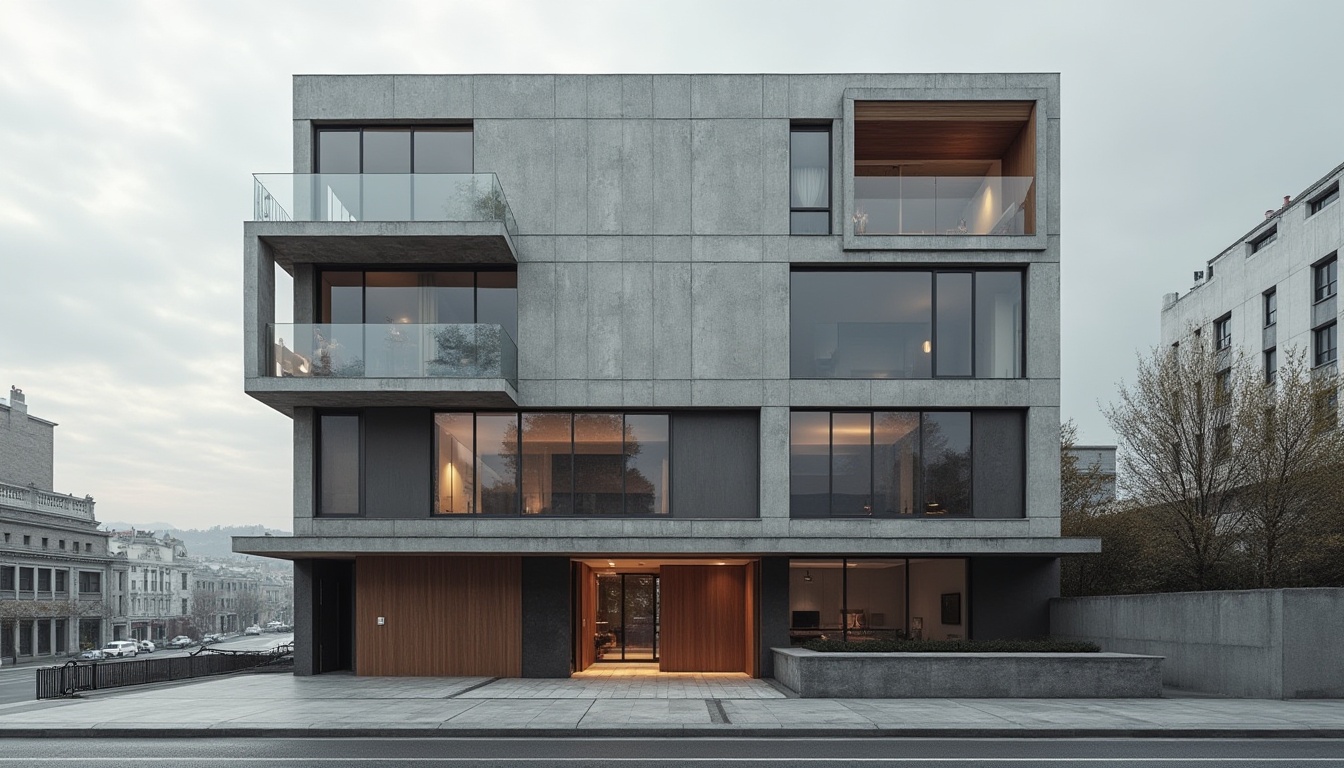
[{"x": 74, "y": 676}]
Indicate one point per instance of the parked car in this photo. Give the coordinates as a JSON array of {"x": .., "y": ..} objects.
[
  {"x": 181, "y": 641},
  {"x": 252, "y": 630},
  {"x": 93, "y": 654},
  {"x": 211, "y": 638},
  {"x": 145, "y": 646},
  {"x": 120, "y": 649},
  {"x": 274, "y": 626}
]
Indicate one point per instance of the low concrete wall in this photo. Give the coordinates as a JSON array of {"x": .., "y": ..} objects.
[
  {"x": 1264, "y": 643},
  {"x": 815, "y": 675}
]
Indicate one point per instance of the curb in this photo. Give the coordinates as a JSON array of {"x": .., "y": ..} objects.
[{"x": 726, "y": 731}]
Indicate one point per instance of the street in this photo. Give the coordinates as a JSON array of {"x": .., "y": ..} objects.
[
  {"x": 19, "y": 684},
  {"x": 202, "y": 753}
]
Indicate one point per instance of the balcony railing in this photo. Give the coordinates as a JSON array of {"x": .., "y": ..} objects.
[
  {"x": 941, "y": 205},
  {"x": 464, "y": 197},
  {"x": 21, "y": 497},
  {"x": 393, "y": 350}
]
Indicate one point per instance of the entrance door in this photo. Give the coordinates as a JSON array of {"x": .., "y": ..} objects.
[{"x": 627, "y": 616}]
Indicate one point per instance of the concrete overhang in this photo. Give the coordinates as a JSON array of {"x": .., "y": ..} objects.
[
  {"x": 286, "y": 393},
  {"x": 384, "y": 242}
]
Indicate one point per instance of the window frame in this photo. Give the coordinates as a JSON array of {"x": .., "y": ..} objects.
[
  {"x": 1328, "y": 331},
  {"x": 1264, "y": 239},
  {"x": 317, "y": 464},
  {"x": 320, "y": 301},
  {"x": 459, "y": 126},
  {"x": 1270, "y": 307},
  {"x": 1271, "y": 365},
  {"x": 1327, "y": 196},
  {"x": 1222, "y": 333},
  {"x": 1325, "y": 278},
  {"x": 829, "y": 210}
]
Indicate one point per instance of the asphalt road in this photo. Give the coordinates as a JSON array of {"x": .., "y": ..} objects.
[
  {"x": 637, "y": 753},
  {"x": 19, "y": 683}
]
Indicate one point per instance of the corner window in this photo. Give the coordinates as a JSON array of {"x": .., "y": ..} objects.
[
  {"x": 338, "y": 470},
  {"x": 1271, "y": 304},
  {"x": 810, "y": 180},
  {"x": 1325, "y": 278},
  {"x": 1325, "y": 344},
  {"x": 1263, "y": 240},
  {"x": 1330, "y": 195},
  {"x": 1222, "y": 332}
]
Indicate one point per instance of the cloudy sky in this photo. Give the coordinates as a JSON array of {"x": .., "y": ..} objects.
[{"x": 128, "y": 133}]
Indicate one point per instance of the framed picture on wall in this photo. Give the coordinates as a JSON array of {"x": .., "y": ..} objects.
[
  {"x": 952, "y": 608},
  {"x": 917, "y": 627}
]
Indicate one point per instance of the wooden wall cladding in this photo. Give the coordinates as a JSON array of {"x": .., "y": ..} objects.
[
  {"x": 704, "y": 619},
  {"x": 585, "y": 628},
  {"x": 444, "y": 616}
]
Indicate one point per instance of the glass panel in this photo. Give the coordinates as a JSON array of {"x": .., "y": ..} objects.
[
  {"x": 810, "y": 464},
  {"x": 456, "y": 463},
  {"x": 548, "y": 474},
  {"x": 386, "y": 151},
  {"x": 938, "y": 599},
  {"x": 392, "y": 297},
  {"x": 610, "y": 628},
  {"x": 640, "y": 616},
  {"x": 809, "y": 169},
  {"x": 25, "y": 638},
  {"x": 598, "y": 463},
  {"x": 998, "y": 325},
  {"x": 940, "y": 205},
  {"x": 860, "y": 325},
  {"x": 952, "y": 333},
  {"x": 947, "y": 463},
  {"x": 497, "y": 300},
  {"x": 810, "y": 222},
  {"x": 497, "y": 463},
  {"x": 343, "y": 297},
  {"x": 445, "y": 151},
  {"x": 646, "y": 464},
  {"x": 338, "y": 151},
  {"x": 851, "y": 464},
  {"x": 896, "y": 462},
  {"x": 338, "y": 470},
  {"x": 816, "y": 600},
  {"x": 875, "y": 599},
  {"x": 451, "y": 298}
]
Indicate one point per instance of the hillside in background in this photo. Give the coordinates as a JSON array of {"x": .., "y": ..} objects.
[{"x": 210, "y": 542}]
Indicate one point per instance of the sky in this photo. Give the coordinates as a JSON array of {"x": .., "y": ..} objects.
[{"x": 129, "y": 132}]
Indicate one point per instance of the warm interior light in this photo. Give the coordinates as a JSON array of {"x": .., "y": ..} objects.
[
  {"x": 611, "y": 564},
  {"x": 928, "y": 347}
]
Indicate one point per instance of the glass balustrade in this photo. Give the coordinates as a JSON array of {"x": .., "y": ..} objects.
[
  {"x": 393, "y": 350},
  {"x": 942, "y": 205}
]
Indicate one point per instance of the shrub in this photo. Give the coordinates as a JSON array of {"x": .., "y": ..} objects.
[{"x": 951, "y": 646}]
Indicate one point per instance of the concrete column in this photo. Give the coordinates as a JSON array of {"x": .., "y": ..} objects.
[
  {"x": 305, "y": 660},
  {"x": 1010, "y": 597},
  {"x": 546, "y": 617},
  {"x": 773, "y": 621}
]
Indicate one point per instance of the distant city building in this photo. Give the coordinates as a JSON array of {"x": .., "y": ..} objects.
[
  {"x": 61, "y": 590},
  {"x": 1102, "y": 459},
  {"x": 160, "y": 575}
]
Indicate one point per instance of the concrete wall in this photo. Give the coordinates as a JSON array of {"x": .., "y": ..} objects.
[
  {"x": 546, "y": 617},
  {"x": 27, "y": 448},
  {"x": 1284, "y": 643}
]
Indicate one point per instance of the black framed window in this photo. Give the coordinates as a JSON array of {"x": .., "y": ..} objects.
[
  {"x": 880, "y": 463},
  {"x": 1271, "y": 365},
  {"x": 1264, "y": 239},
  {"x": 878, "y": 598},
  {"x": 1330, "y": 195},
  {"x": 1325, "y": 344},
  {"x": 552, "y": 463},
  {"x": 394, "y": 150},
  {"x": 339, "y": 466},
  {"x": 810, "y": 180},
  {"x": 90, "y": 581},
  {"x": 6, "y": 578},
  {"x": 905, "y": 324},
  {"x": 1271, "y": 304},
  {"x": 1222, "y": 332},
  {"x": 1325, "y": 278},
  {"x": 428, "y": 297}
]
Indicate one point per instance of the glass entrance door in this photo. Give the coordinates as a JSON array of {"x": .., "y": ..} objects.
[{"x": 627, "y": 616}]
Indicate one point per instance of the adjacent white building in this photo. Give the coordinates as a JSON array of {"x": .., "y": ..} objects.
[{"x": 158, "y": 599}]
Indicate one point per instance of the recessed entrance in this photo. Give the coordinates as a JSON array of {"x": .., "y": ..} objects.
[{"x": 627, "y": 617}]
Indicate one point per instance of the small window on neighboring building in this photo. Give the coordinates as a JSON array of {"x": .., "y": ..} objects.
[
  {"x": 1325, "y": 277},
  {"x": 1265, "y": 238},
  {"x": 62, "y": 581},
  {"x": 90, "y": 581},
  {"x": 810, "y": 180},
  {"x": 6, "y": 538},
  {"x": 1271, "y": 365},
  {"x": 44, "y": 542},
  {"x": 1222, "y": 332},
  {"x": 27, "y": 541},
  {"x": 1325, "y": 343},
  {"x": 1271, "y": 307},
  {"x": 1330, "y": 195},
  {"x": 88, "y": 547}
]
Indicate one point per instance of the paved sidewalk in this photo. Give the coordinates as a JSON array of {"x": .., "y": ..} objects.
[{"x": 284, "y": 705}]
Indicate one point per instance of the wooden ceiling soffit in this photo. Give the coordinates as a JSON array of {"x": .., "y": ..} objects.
[{"x": 942, "y": 111}]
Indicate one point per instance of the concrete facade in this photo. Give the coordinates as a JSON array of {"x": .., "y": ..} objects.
[
  {"x": 654, "y": 256},
  {"x": 1268, "y": 643},
  {"x": 27, "y": 445}
]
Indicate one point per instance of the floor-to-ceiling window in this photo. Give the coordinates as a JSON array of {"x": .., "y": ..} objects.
[
  {"x": 877, "y": 598},
  {"x": 627, "y": 617}
]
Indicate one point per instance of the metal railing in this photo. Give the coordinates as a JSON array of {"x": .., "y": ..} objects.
[{"x": 77, "y": 676}]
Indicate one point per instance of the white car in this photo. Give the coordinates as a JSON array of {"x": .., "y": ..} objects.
[
  {"x": 93, "y": 654},
  {"x": 145, "y": 646},
  {"x": 252, "y": 630},
  {"x": 120, "y": 649}
]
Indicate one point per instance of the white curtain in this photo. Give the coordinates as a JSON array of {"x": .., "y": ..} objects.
[{"x": 809, "y": 187}]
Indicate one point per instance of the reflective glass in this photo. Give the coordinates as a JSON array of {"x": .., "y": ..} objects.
[
  {"x": 452, "y": 298},
  {"x": 646, "y": 464},
  {"x": 816, "y": 600},
  {"x": 343, "y": 297},
  {"x": 338, "y": 469},
  {"x": 387, "y": 151},
  {"x": 497, "y": 300},
  {"x": 947, "y": 463},
  {"x": 860, "y": 325},
  {"x": 809, "y": 169},
  {"x": 810, "y": 463},
  {"x": 598, "y": 463},
  {"x": 810, "y": 223},
  {"x": 952, "y": 337},
  {"x": 548, "y": 474},
  {"x": 896, "y": 467},
  {"x": 851, "y": 464},
  {"x": 443, "y": 151},
  {"x": 874, "y": 599},
  {"x": 338, "y": 151},
  {"x": 497, "y": 463},
  {"x": 998, "y": 325},
  {"x": 392, "y": 297},
  {"x": 938, "y": 604},
  {"x": 456, "y": 463}
]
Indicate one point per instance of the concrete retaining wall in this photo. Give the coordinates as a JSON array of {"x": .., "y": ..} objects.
[
  {"x": 968, "y": 675},
  {"x": 1271, "y": 643}
]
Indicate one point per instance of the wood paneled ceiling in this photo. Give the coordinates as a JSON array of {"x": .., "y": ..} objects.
[{"x": 898, "y": 132}]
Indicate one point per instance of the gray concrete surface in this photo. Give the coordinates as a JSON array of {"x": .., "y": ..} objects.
[{"x": 1273, "y": 643}]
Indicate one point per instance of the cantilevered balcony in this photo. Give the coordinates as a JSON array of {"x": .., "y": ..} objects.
[{"x": 383, "y": 217}]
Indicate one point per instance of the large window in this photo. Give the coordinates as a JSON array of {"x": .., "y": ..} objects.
[
  {"x": 1222, "y": 332},
  {"x": 445, "y": 297},
  {"x": 883, "y": 463},
  {"x": 859, "y": 599},
  {"x": 810, "y": 180},
  {"x": 1271, "y": 301},
  {"x": 547, "y": 463},
  {"x": 1330, "y": 195},
  {"x": 90, "y": 581},
  {"x": 338, "y": 469},
  {"x": 852, "y": 324},
  {"x": 1325, "y": 344},
  {"x": 1325, "y": 278},
  {"x": 394, "y": 150}
]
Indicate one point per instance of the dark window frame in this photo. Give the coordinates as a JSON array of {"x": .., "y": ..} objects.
[
  {"x": 320, "y": 304},
  {"x": 966, "y": 601},
  {"x": 1270, "y": 307},
  {"x": 317, "y": 463},
  {"x": 1222, "y": 333},
  {"x": 829, "y": 210},
  {"x": 457, "y": 126},
  {"x": 1325, "y": 278},
  {"x": 1271, "y": 365},
  {"x": 1320, "y": 354},
  {"x": 1264, "y": 239},
  {"x": 1326, "y": 197}
]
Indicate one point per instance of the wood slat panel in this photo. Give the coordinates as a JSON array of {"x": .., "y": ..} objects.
[
  {"x": 704, "y": 624},
  {"x": 1020, "y": 160},
  {"x": 750, "y": 636},
  {"x": 585, "y": 629},
  {"x": 445, "y": 616},
  {"x": 969, "y": 111}
]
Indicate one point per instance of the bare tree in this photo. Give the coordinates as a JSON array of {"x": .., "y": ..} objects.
[
  {"x": 247, "y": 605},
  {"x": 204, "y": 604}
]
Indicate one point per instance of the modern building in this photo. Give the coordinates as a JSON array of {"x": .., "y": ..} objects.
[
  {"x": 159, "y": 590},
  {"x": 661, "y": 368},
  {"x": 1275, "y": 288},
  {"x": 61, "y": 590}
]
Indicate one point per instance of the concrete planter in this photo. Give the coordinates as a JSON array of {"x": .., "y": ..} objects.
[{"x": 968, "y": 675}]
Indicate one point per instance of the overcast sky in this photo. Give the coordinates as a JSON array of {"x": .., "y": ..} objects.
[{"x": 128, "y": 133}]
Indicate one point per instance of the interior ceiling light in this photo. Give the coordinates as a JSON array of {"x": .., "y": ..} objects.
[{"x": 611, "y": 563}]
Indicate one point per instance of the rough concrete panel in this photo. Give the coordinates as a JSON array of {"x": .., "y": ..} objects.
[
  {"x": 605, "y": 140},
  {"x": 637, "y": 302},
  {"x": 637, "y": 177},
  {"x": 998, "y": 463},
  {"x": 495, "y": 96},
  {"x": 727, "y": 248},
  {"x": 303, "y": 146},
  {"x": 775, "y": 99},
  {"x": 571, "y": 177},
  {"x": 604, "y": 248},
  {"x": 775, "y": 177},
  {"x": 604, "y": 322},
  {"x": 546, "y": 617},
  {"x": 571, "y": 393},
  {"x": 537, "y": 292},
  {"x": 637, "y": 393},
  {"x": 305, "y": 662},
  {"x": 1043, "y": 321},
  {"x": 671, "y": 177},
  {"x": 305, "y": 293},
  {"x": 1043, "y": 462},
  {"x": 571, "y": 248},
  {"x": 715, "y": 465},
  {"x": 776, "y": 248},
  {"x": 571, "y": 96},
  {"x": 773, "y": 622},
  {"x": 571, "y": 322},
  {"x": 671, "y": 393},
  {"x": 716, "y": 393},
  {"x": 776, "y": 392},
  {"x": 604, "y": 96},
  {"x": 672, "y": 96},
  {"x": 305, "y": 465},
  {"x": 848, "y": 393},
  {"x": 636, "y": 248},
  {"x": 726, "y": 321},
  {"x": 671, "y": 318},
  {"x": 536, "y": 393},
  {"x": 345, "y": 97},
  {"x": 258, "y": 304},
  {"x": 637, "y": 96},
  {"x": 775, "y": 462},
  {"x": 437, "y": 97},
  {"x": 727, "y": 95},
  {"x": 1052, "y": 159},
  {"x": 606, "y": 394},
  {"x": 1308, "y": 639},
  {"x": 522, "y": 154},
  {"x": 671, "y": 249},
  {"x": 726, "y": 177},
  {"x": 775, "y": 305}
]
